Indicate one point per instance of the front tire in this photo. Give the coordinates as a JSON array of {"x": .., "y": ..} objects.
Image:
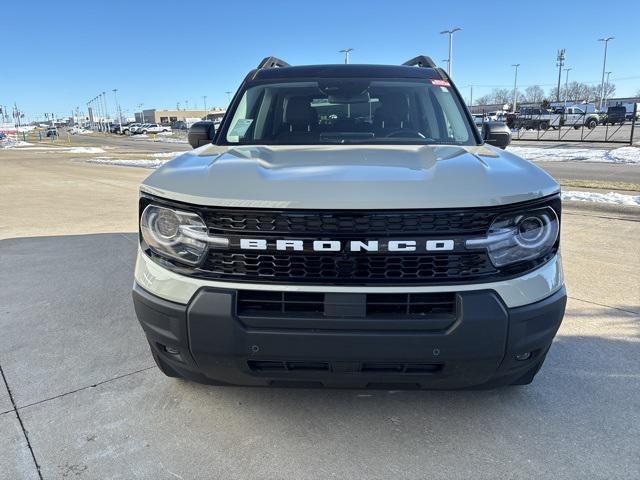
[{"x": 591, "y": 124}]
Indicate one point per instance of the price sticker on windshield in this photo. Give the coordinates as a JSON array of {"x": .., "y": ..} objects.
[{"x": 440, "y": 83}]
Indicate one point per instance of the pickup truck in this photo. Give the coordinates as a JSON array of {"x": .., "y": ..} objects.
[
  {"x": 153, "y": 128},
  {"x": 541, "y": 119}
]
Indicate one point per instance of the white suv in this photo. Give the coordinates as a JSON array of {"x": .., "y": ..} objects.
[{"x": 349, "y": 226}]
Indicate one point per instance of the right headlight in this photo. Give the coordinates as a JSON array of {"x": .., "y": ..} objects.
[
  {"x": 174, "y": 233},
  {"x": 519, "y": 236}
]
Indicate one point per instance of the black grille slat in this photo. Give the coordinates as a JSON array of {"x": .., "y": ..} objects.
[
  {"x": 315, "y": 268},
  {"x": 318, "y": 223}
]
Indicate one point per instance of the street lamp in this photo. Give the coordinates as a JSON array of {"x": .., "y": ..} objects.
[
  {"x": 115, "y": 96},
  {"x": 566, "y": 86},
  {"x": 106, "y": 110},
  {"x": 450, "y": 33},
  {"x": 228, "y": 96},
  {"x": 604, "y": 66},
  {"x": 606, "y": 86},
  {"x": 140, "y": 105},
  {"x": 515, "y": 88},
  {"x": 204, "y": 99},
  {"x": 346, "y": 52}
]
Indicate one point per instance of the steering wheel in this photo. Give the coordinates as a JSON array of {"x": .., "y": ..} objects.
[{"x": 404, "y": 132}]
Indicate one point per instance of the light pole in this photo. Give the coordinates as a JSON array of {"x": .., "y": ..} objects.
[
  {"x": 566, "y": 86},
  {"x": 106, "y": 111},
  {"x": 346, "y": 52},
  {"x": 450, "y": 33},
  {"x": 115, "y": 96},
  {"x": 604, "y": 66},
  {"x": 140, "y": 105},
  {"x": 559, "y": 63},
  {"x": 515, "y": 88},
  {"x": 606, "y": 86},
  {"x": 228, "y": 97},
  {"x": 204, "y": 100}
]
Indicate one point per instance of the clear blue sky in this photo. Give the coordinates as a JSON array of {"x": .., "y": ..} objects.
[{"x": 57, "y": 55}]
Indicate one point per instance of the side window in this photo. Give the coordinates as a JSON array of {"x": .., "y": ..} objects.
[{"x": 453, "y": 119}]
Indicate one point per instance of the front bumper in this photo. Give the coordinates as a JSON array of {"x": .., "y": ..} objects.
[{"x": 206, "y": 341}]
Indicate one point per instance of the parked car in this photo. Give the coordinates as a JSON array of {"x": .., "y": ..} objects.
[
  {"x": 154, "y": 128},
  {"x": 3, "y": 135},
  {"x": 397, "y": 253},
  {"x": 52, "y": 132},
  {"x": 179, "y": 125},
  {"x": 617, "y": 114}
]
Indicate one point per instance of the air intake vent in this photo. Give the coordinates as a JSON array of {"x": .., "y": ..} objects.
[{"x": 268, "y": 367}]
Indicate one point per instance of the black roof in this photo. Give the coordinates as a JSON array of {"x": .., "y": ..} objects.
[{"x": 342, "y": 70}]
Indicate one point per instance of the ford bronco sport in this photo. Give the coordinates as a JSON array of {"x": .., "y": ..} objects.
[{"x": 349, "y": 226}]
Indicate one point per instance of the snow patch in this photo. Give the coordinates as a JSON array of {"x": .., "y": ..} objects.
[
  {"x": 144, "y": 163},
  {"x": 85, "y": 150},
  {"x": 611, "y": 197},
  {"x": 10, "y": 143},
  {"x": 617, "y": 155},
  {"x": 30, "y": 146}
]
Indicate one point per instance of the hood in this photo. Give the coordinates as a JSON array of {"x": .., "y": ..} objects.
[{"x": 350, "y": 177}]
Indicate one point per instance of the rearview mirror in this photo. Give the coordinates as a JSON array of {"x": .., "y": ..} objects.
[
  {"x": 496, "y": 134},
  {"x": 346, "y": 97},
  {"x": 201, "y": 133}
]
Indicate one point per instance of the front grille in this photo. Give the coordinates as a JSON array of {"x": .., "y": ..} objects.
[
  {"x": 347, "y": 223},
  {"x": 345, "y": 267},
  {"x": 267, "y": 367},
  {"x": 374, "y": 305},
  {"x": 336, "y": 269}
]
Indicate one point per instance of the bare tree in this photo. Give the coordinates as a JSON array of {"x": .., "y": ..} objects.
[
  {"x": 483, "y": 100},
  {"x": 609, "y": 90},
  {"x": 534, "y": 94},
  {"x": 575, "y": 92},
  {"x": 502, "y": 95}
]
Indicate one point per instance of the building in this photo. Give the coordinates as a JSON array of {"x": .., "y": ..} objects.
[{"x": 170, "y": 116}]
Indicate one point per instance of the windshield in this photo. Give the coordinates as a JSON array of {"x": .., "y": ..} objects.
[{"x": 349, "y": 110}]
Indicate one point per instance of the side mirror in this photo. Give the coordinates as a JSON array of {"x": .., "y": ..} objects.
[
  {"x": 496, "y": 134},
  {"x": 201, "y": 133}
]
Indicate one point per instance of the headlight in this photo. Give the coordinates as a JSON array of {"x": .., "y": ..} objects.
[
  {"x": 173, "y": 233},
  {"x": 518, "y": 237}
]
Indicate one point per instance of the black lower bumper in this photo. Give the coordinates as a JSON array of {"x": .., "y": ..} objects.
[{"x": 486, "y": 344}]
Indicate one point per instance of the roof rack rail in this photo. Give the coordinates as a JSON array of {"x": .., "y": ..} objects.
[
  {"x": 272, "y": 62},
  {"x": 420, "y": 61}
]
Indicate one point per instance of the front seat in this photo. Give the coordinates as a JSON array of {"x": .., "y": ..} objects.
[
  {"x": 393, "y": 113},
  {"x": 300, "y": 119}
]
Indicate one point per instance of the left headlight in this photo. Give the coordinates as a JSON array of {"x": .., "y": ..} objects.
[
  {"x": 174, "y": 233},
  {"x": 518, "y": 237}
]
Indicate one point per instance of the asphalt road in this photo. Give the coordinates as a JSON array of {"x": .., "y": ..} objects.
[{"x": 80, "y": 396}]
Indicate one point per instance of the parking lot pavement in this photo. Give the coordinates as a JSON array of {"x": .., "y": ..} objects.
[
  {"x": 94, "y": 406},
  {"x": 16, "y": 461}
]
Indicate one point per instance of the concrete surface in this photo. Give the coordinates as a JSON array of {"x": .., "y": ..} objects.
[
  {"x": 94, "y": 406},
  {"x": 16, "y": 461},
  {"x": 45, "y": 193},
  {"x": 75, "y": 311},
  {"x": 5, "y": 400}
]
